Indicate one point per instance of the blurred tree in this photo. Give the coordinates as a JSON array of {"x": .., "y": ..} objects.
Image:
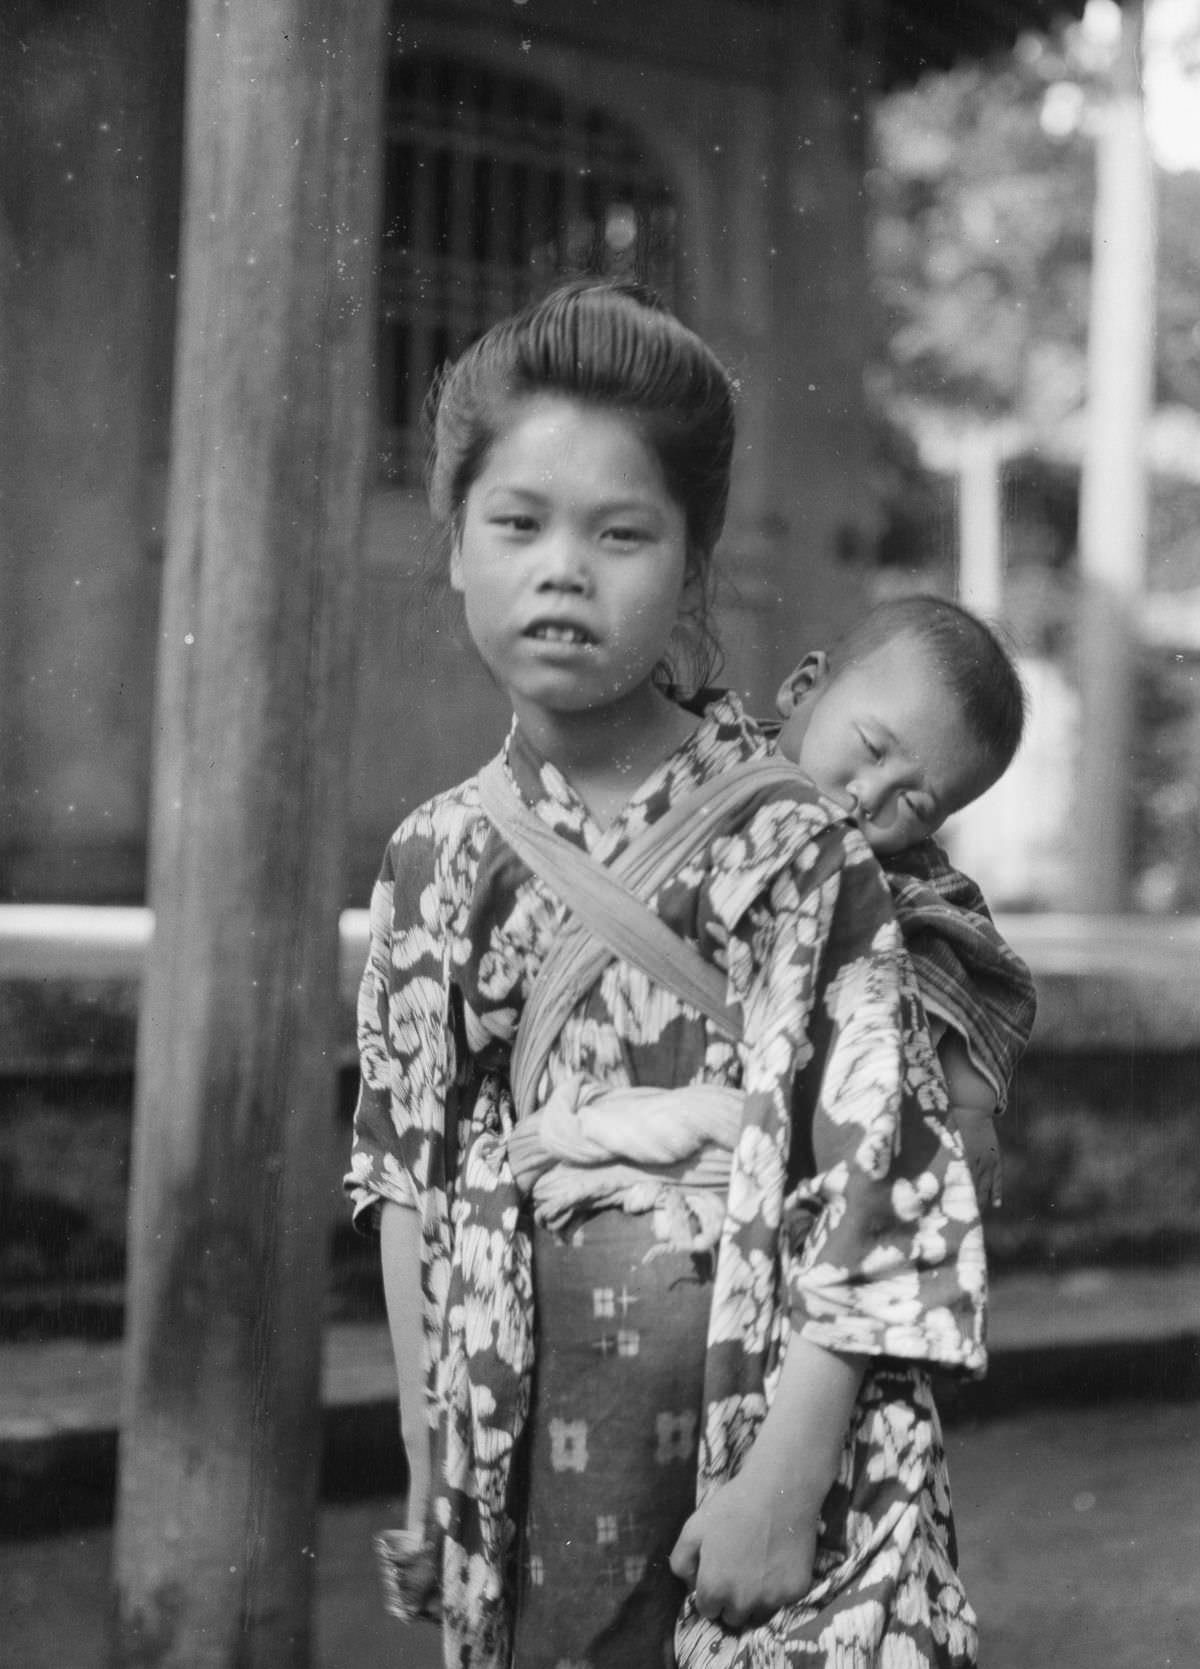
[
  {"x": 983, "y": 190},
  {"x": 982, "y": 193}
]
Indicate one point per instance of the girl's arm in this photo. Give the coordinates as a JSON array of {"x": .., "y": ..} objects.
[
  {"x": 400, "y": 1249},
  {"x": 749, "y": 1549},
  {"x": 878, "y": 1211}
]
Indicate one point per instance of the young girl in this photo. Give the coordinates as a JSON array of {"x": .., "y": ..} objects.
[{"x": 588, "y": 1383}]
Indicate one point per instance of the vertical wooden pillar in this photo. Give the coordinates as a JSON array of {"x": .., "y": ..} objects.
[
  {"x": 1113, "y": 505},
  {"x": 235, "y": 1090}
]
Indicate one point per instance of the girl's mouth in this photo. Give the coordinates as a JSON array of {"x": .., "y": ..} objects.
[{"x": 551, "y": 631}]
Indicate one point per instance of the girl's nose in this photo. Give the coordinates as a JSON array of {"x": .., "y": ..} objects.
[{"x": 565, "y": 565}]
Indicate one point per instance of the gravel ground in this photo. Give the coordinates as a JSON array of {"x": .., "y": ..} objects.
[{"x": 1080, "y": 1533}]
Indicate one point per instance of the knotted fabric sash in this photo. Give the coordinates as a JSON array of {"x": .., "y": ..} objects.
[
  {"x": 668, "y": 1151},
  {"x": 484, "y": 1372},
  {"x": 609, "y": 915}
]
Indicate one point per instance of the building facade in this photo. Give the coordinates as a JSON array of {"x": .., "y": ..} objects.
[{"x": 713, "y": 148}]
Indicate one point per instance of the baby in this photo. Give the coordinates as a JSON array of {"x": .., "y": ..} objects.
[{"x": 911, "y": 716}]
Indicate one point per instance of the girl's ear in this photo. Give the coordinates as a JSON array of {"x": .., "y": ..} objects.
[
  {"x": 808, "y": 676},
  {"x": 456, "y": 577}
]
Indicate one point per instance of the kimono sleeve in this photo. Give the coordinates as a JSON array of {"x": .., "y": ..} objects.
[
  {"x": 885, "y": 1246},
  {"x": 402, "y": 1040},
  {"x": 968, "y": 975}
]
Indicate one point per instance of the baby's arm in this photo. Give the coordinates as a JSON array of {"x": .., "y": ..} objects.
[
  {"x": 400, "y": 1250},
  {"x": 973, "y": 1105},
  {"x": 749, "y": 1548}
]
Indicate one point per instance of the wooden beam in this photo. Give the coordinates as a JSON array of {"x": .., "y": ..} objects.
[{"x": 236, "y": 1049}]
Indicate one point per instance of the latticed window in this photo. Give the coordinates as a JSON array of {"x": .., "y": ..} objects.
[{"x": 496, "y": 186}]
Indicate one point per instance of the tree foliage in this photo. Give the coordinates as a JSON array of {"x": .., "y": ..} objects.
[{"x": 982, "y": 196}]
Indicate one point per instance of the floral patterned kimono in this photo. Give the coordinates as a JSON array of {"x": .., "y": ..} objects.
[{"x": 616, "y": 1375}]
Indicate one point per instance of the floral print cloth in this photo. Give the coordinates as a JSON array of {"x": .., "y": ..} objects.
[{"x": 851, "y": 1215}]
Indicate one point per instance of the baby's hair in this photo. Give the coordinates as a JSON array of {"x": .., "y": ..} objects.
[
  {"x": 968, "y": 655},
  {"x": 613, "y": 345}
]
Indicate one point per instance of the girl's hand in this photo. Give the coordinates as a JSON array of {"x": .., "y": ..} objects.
[
  {"x": 750, "y": 1548},
  {"x": 746, "y": 1552}
]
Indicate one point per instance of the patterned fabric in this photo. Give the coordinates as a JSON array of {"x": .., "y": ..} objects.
[
  {"x": 969, "y": 976},
  {"x": 886, "y": 1593},
  {"x": 612, "y": 1452},
  {"x": 851, "y": 1215}
]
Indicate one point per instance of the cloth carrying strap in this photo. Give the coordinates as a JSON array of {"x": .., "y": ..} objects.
[{"x": 610, "y": 913}]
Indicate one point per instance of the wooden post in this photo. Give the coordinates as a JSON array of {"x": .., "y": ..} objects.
[
  {"x": 235, "y": 1087},
  {"x": 1112, "y": 534}
]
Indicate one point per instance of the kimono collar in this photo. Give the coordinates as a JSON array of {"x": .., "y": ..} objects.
[{"x": 725, "y": 736}]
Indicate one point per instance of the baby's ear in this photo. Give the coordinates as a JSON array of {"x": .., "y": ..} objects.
[{"x": 812, "y": 672}]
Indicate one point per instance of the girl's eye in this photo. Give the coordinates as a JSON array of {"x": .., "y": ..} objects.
[
  {"x": 625, "y": 535},
  {"x": 515, "y": 523}
]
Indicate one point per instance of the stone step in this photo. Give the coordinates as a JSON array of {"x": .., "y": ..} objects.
[{"x": 1078, "y": 1337}]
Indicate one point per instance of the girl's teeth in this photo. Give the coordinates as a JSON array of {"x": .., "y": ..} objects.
[{"x": 561, "y": 634}]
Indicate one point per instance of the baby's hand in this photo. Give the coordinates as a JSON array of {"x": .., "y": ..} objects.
[
  {"x": 742, "y": 1556},
  {"x": 982, "y": 1147}
]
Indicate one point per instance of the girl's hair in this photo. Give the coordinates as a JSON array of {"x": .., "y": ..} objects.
[
  {"x": 609, "y": 344},
  {"x": 970, "y": 657}
]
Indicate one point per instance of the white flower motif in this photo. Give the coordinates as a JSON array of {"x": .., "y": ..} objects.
[
  {"x": 910, "y": 1197},
  {"x": 730, "y": 1426},
  {"x": 395, "y": 1177},
  {"x": 902, "y": 1652},
  {"x": 958, "y": 1193},
  {"x": 853, "y": 1634},
  {"x": 756, "y": 1185},
  {"x": 361, "y": 1166},
  {"x": 883, "y": 1256},
  {"x": 971, "y": 1265},
  {"x": 740, "y": 1307}
]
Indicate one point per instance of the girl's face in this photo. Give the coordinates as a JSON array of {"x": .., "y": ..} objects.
[{"x": 571, "y": 558}]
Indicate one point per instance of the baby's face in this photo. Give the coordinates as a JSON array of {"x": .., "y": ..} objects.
[{"x": 885, "y": 736}]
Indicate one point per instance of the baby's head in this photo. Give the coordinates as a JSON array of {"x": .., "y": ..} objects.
[{"x": 912, "y": 715}]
